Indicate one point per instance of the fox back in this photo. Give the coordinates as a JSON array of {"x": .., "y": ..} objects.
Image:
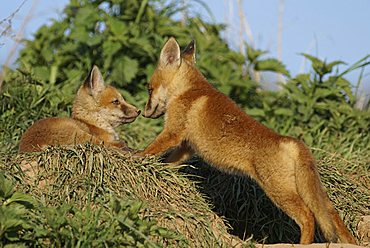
[
  {"x": 200, "y": 119},
  {"x": 96, "y": 111}
]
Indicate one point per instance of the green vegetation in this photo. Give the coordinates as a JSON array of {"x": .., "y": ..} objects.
[
  {"x": 117, "y": 223},
  {"x": 96, "y": 197}
]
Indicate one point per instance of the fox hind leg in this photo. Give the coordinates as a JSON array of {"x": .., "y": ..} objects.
[
  {"x": 343, "y": 233},
  {"x": 294, "y": 206}
]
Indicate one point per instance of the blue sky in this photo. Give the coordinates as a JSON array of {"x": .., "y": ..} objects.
[{"x": 329, "y": 29}]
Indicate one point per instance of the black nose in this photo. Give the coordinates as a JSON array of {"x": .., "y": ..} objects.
[{"x": 138, "y": 111}]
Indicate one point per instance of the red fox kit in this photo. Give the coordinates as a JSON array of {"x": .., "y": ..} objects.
[
  {"x": 199, "y": 119},
  {"x": 97, "y": 110}
]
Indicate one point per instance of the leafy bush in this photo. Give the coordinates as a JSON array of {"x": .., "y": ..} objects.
[
  {"x": 124, "y": 38},
  {"x": 315, "y": 104}
]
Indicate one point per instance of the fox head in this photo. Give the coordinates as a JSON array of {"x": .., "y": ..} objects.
[
  {"x": 170, "y": 78},
  {"x": 102, "y": 105}
]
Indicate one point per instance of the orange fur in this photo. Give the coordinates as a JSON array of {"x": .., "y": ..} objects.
[
  {"x": 199, "y": 119},
  {"x": 96, "y": 111}
]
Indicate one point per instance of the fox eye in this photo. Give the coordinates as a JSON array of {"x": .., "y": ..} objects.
[{"x": 116, "y": 102}]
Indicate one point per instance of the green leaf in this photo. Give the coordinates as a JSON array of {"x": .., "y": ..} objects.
[
  {"x": 283, "y": 111},
  {"x": 86, "y": 16},
  {"x": 345, "y": 109},
  {"x": 141, "y": 11},
  {"x": 130, "y": 68},
  {"x": 42, "y": 73},
  {"x": 22, "y": 198},
  {"x": 118, "y": 27},
  {"x": 321, "y": 67},
  {"x": 253, "y": 54},
  {"x": 303, "y": 110},
  {"x": 255, "y": 112},
  {"x": 241, "y": 83},
  {"x": 345, "y": 86},
  {"x": 322, "y": 92},
  {"x": 125, "y": 69},
  {"x": 313, "y": 59},
  {"x": 308, "y": 138},
  {"x": 329, "y": 67},
  {"x": 110, "y": 49},
  {"x": 6, "y": 187},
  {"x": 143, "y": 46},
  {"x": 94, "y": 40},
  {"x": 317, "y": 64},
  {"x": 273, "y": 65},
  {"x": 80, "y": 34}
]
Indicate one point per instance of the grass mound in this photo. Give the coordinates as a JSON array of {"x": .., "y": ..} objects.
[
  {"x": 97, "y": 181},
  {"x": 154, "y": 204}
]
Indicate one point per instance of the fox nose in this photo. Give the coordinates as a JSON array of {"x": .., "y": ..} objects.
[{"x": 138, "y": 111}]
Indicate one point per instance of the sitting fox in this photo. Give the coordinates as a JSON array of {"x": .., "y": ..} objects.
[
  {"x": 199, "y": 119},
  {"x": 96, "y": 111}
]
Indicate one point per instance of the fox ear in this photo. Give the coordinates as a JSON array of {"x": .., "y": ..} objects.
[
  {"x": 189, "y": 52},
  {"x": 94, "y": 82},
  {"x": 170, "y": 54}
]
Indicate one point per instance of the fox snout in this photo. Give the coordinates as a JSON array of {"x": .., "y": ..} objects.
[
  {"x": 149, "y": 110},
  {"x": 153, "y": 109},
  {"x": 156, "y": 105},
  {"x": 130, "y": 112}
]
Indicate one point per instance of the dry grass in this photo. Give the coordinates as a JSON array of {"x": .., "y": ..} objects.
[{"x": 85, "y": 175}]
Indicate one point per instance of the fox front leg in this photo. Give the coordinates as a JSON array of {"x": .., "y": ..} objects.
[
  {"x": 164, "y": 141},
  {"x": 122, "y": 146},
  {"x": 180, "y": 154}
]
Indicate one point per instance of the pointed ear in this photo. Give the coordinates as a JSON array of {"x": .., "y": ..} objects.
[
  {"x": 94, "y": 81},
  {"x": 189, "y": 52},
  {"x": 170, "y": 54}
]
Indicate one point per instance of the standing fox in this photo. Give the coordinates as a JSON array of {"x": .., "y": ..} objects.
[
  {"x": 97, "y": 110},
  {"x": 199, "y": 119}
]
